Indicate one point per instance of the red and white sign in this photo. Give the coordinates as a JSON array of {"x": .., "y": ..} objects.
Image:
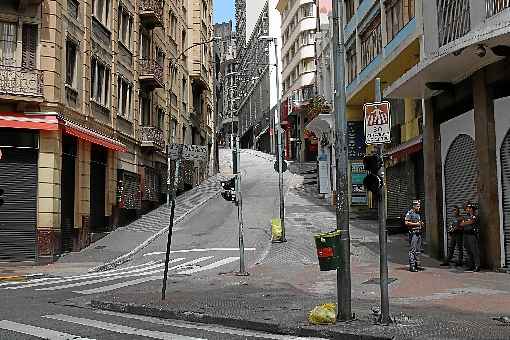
[{"x": 377, "y": 123}]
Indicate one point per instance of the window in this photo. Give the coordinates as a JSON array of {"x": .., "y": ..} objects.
[
  {"x": 124, "y": 95},
  {"x": 371, "y": 42},
  {"x": 100, "y": 79},
  {"x": 398, "y": 14},
  {"x": 160, "y": 56},
  {"x": 349, "y": 9},
  {"x": 145, "y": 111},
  {"x": 29, "y": 46},
  {"x": 173, "y": 26},
  {"x": 8, "y": 33},
  {"x": 72, "y": 8},
  {"x": 173, "y": 127},
  {"x": 101, "y": 10},
  {"x": 307, "y": 10},
  {"x": 161, "y": 119},
  {"x": 144, "y": 46},
  {"x": 71, "y": 63},
  {"x": 351, "y": 64},
  {"x": 125, "y": 27}
]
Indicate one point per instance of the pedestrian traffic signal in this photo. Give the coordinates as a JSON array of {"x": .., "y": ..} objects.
[
  {"x": 1, "y": 197},
  {"x": 373, "y": 182},
  {"x": 229, "y": 191}
]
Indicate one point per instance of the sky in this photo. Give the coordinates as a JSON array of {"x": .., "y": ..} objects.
[{"x": 224, "y": 11}]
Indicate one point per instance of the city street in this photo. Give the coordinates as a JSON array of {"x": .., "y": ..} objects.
[{"x": 54, "y": 306}]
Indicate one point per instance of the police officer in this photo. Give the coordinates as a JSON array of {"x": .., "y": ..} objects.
[
  {"x": 471, "y": 226},
  {"x": 415, "y": 226},
  {"x": 456, "y": 238}
]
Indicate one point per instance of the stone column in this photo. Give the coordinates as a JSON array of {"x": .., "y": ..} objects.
[
  {"x": 490, "y": 243},
  {"x": 433, "y": 182}
]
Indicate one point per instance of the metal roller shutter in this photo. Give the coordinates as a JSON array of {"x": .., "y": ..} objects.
[
  {"x": 461, "y": 176},
  {"x": 18, "y": 214},
  {"x": 505, "y": 179},
  {"x": 400, "y": 191}
]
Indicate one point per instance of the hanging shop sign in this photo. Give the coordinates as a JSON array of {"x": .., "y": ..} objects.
[{"x": 377, "y": 123}]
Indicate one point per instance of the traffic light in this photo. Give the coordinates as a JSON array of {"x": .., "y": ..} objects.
[
  {"x": 373, "y": 182},
  {"x": 1, "y": 197},
  {"x": 229, "y": 189}
]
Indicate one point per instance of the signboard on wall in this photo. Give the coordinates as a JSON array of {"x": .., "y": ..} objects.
[
  {"x": 355, "y": 140},
  {"x": 325, "y": 11},
  {"x": 358, "y": 191},
  {"x": 187, "y": 152}
]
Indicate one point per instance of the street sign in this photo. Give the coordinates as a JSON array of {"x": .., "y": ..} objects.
[
  {"x": 187, "y": 152},
  {"x": 377, "y": 123},
  {"x": 277, "y": 166}
]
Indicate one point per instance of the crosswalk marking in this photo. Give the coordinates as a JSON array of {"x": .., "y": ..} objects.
[
  {"x": 38, "y": 332},
  {"x": 52, "y": 279},
  {"x": 209, "y": 266},
  {"x": 204, "y": 327},
  {"x": 195, "y": 250},
  {"x": 112, "y": 327},
  {"x": 140, "y": 280},
  {"x": 103, "y": 275},
  {"x": 144, "y": 272}
]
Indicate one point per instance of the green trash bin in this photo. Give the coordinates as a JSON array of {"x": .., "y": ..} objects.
[{"x": 328, "y": 250}]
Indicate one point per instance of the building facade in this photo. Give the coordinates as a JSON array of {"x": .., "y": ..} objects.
[
  {"x": 462, "y": 79},
  {"x": 298, "y": 28},
  {"x": 256, "y": 81},
  {"x": 225, "y": 57},
  {"x": 88, "y": 102}
]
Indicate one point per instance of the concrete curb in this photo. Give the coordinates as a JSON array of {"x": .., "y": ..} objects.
[
  {"x": 267, "y": 327},
  {"x": 126, "y": 257}
]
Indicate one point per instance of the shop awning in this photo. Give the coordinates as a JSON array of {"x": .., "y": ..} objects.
[
  {"x": 91, "y": 136},
  {"x": 408, "y": 148},
  {"x": 48, "y": 122},
  {"x": 322, "y": 123}
]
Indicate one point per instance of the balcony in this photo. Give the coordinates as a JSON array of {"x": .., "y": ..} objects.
[
  {"x": 453, "y": 20},
  {"x": 151, "y": 13},
  {"x": 494, "y": 7},
  {"x": 152, "y": 137},
  {"x": 151, "y": 74},
  {"x": 21, "y": 82}
]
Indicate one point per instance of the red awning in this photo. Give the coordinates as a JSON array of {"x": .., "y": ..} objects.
[
  {"x": 405, "y": 149},
  {"x": 88, "y": 135},
  {"x": 48, "y": 122}
]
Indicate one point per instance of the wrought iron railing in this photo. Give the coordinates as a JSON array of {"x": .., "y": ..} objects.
[
  {"x": 150, "y": 68},
  {"x": 19, "y": 81},
  {"x": 155, "y": 6},
  {"x": 152, "y": 135},
  {"x": 453, "y": 20},
  {"x": 493, "y": 7}
]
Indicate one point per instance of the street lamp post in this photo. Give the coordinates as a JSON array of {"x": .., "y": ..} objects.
[{"x": 279, "y": 152}]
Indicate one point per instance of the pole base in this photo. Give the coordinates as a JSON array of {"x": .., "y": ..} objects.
[
  {"x": 279, "y": 241},
  {"x": 242, "y": 274}
]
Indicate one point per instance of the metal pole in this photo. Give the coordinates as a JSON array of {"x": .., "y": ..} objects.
[
  {"x": 239, "y": 198},
  {"x": 385, "y": 317},
  {"x": 171, "y": 226},
  {"x": 279, "y": 132},
  {"x": 342, "y": 199}
]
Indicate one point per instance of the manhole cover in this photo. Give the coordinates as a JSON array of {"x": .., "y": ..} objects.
[{"x": 376, "y": 281}]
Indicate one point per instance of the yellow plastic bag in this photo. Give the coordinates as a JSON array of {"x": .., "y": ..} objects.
[
  {"x": 324, "y": 314},
  {"x": 276, "y": 230}
]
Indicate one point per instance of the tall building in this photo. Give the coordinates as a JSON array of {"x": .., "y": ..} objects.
[
  {"x": 298, "y": 27},
  {"x": 88, "y": 103},
  {"x": 225, "y": 52},
  {"x": 462, "y": 78},
  {"x": 256, "y": 89}
]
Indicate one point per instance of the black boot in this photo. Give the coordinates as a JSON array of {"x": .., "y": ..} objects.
[{"x": 413, "y": 269}]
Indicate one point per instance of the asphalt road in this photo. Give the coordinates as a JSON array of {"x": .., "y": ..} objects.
[{"x": 205, "y": 244}]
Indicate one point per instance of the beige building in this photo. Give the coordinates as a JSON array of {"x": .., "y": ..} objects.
[{"x": 91, "y": 91}]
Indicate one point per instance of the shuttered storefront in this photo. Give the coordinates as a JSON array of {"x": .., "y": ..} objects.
[
  {"x": 129, "y": 190},
  {"x": 18, "y": 214},
  {"x": 505, "y": 180},
  {"x": 400, "y": 189},
  {"x": 98, "y": 163},
  {"x": 461, "y": 175}
]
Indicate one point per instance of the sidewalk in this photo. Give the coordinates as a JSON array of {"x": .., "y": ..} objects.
[{"x": 286, "y": 284}]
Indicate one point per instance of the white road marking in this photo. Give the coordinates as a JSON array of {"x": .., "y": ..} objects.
[
  {"x": 116, "y": 328},
  {"x": 103, "y": 275},
  {"x": 77, "y": 276},
  {"x": 140, "y": 280},
  {"x": 111, "y": 277},
  {"x": 203, "y": 327},
  {"x": 210, "y": 266},
  {"x": 38, "y": 332},
  {"x": 200, "y": 250}
]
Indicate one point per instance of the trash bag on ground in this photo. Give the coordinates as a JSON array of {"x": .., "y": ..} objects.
[
  {"x": 324, "y": 314},
  {"x": 276, "y": 230}
]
